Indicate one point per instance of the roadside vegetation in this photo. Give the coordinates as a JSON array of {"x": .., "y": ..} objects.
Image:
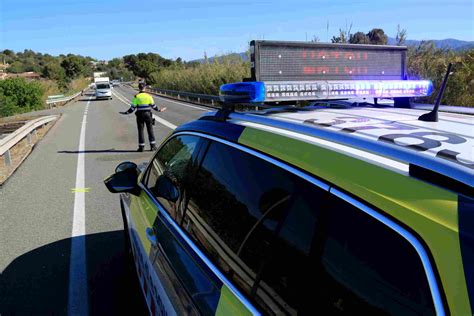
[
  {"x": 18, "y": 95},
  {"x": 66, "y": 74},
  {"x": 425, "y": 61},
  {"x": 203, "y": 78},
  {"x": 63, "y": 74}
]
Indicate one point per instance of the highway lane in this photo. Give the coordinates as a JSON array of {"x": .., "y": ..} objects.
[{"x": 37, "y": 206}]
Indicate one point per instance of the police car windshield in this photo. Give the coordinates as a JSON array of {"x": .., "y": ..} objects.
[{"x": 103, "y": 86}]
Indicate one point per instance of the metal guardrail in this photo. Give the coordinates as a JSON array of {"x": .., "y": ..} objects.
[
  {"x": 28, "y": 130},
  {"x": 63, "y": 99},
  {"x": 202, "y": 99}
]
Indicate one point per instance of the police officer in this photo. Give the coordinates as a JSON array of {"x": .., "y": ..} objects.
[{"x": 143, "y": 104}]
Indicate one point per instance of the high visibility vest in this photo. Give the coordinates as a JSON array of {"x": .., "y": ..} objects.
[{"x": 143, "y": 102}]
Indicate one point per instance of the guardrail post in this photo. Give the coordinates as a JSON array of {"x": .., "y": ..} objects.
[
  {"x": 8, "y": 158},
  {"x": 178, "y": 95},
  {"x": 212, "y": 102},
  {"x": 199, "y": 100}
]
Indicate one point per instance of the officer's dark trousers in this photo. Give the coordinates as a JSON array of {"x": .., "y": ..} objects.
[{"x": 145, "y": 117}]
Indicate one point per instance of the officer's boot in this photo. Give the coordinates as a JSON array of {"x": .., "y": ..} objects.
[{"x": 141, "y": 148}]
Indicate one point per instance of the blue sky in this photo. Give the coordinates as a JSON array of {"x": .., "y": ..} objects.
[{"x": 105, "y": 29}]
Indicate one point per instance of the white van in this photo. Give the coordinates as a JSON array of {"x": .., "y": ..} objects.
[{"x": 103, "y": 88}]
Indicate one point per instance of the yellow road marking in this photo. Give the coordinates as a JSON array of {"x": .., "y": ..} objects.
[{"x": 79, "y": 190}]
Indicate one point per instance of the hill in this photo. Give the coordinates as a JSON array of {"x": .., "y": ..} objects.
[{"x": 449, "y": 43}]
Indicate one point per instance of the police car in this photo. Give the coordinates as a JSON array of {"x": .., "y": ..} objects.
[{"x": 330, "y": 209}]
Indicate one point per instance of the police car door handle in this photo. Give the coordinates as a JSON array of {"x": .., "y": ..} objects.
[{"x": 150, "y": 235}]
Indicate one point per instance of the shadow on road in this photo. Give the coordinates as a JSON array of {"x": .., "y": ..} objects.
[
  {"x": 99, "y": 151},
  {"x": 36, "y": 283}
]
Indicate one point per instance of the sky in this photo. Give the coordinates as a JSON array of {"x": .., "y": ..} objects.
[{"x": 104, "y": 29}]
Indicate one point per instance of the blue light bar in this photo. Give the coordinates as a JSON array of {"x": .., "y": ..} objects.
[
  {"x": 243, "y": 92},
  {"x": 250, "y": 92}
]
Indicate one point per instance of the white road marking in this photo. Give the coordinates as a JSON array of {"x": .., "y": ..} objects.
[
  {"x": 158, "y": 119},
  {"x": 181, "y": 103},
  {"x": 78, "y": 292},
  {"x": 164, "y": 122},
  {"x": 121, "y": 97}
]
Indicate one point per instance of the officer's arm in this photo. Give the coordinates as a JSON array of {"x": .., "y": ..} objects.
[
  {"x": 133, "y": 105},
  {"x": 155, "y": 107},
  {"x": 131, "y": 109}
]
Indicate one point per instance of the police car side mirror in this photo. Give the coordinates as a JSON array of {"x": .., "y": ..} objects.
[
  {"x": 124, "y": 180},
  {"x": 166, "y": 188},
  {"x": 125, "y": 165}
]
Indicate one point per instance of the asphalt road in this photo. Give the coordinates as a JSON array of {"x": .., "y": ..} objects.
[{"x": 38, "y": 202}]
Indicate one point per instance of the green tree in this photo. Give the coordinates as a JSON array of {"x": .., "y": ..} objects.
[
  {"x": 76, "y": 66},
  {"x": 145, "y": 68},
  {"x": 16, "y": 67},
  {"x": 377, "y": 37},
  {"x": 8, "y": 52},
  {"x": 73, "y": 66},
  {"x": 54, "y": 71},
  {"x": 359, "y": 38},
  {"x": 116, "y": 63},
  {"x": 18, "y": 95}
]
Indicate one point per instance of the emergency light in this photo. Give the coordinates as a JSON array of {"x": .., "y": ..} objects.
[
  {"x": 254, "y": 92},
  {"x": 292, "y": 71},
  {"x": 243, "y": 92}
]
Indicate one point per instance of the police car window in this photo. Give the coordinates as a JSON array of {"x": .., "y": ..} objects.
[
  {"x": 173, "y": 161},
  {"x": 367, "y": 264},
  {"x": 237, "y": 202},
  {"x": 355, "y": 265},
  {"x": 278, "y": 283}
]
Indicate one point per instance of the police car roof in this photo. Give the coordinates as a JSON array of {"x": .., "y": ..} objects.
[{"x": 440, "y": 151}]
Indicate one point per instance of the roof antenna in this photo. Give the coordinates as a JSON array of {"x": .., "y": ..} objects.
[{"x": 433, "y": 115}]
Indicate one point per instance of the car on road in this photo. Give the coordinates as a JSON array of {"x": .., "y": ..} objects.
[
  {"x": 337, "y": 210},
  {"x": 103, "y": 88}
]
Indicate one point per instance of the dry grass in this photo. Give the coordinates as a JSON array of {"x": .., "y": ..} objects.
[
  {"x": 20, "y": 151},
  {"x": 204, "y": 78}
]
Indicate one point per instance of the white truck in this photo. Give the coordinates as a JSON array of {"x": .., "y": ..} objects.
[{"x": 103, "y": 89}]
